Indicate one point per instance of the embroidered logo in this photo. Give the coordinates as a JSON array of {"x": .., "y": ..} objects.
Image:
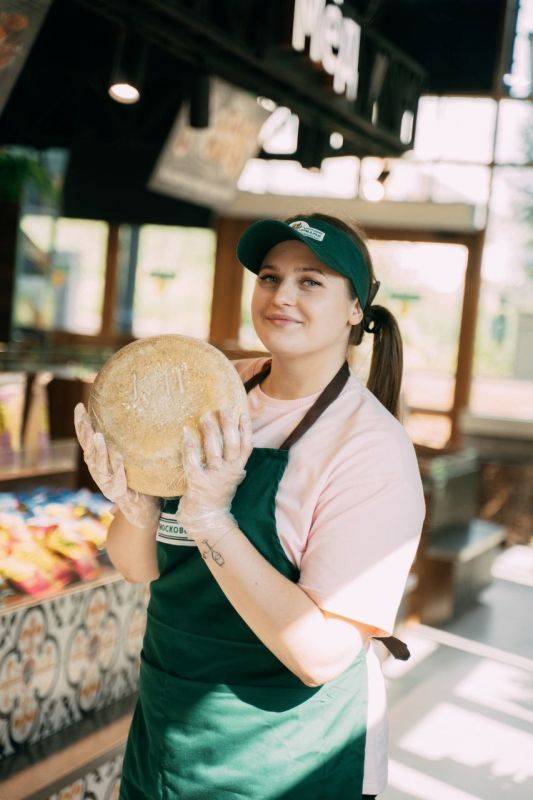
[
  {"x": 306, "y": 230},
  {"x": 170, "y": 531}
]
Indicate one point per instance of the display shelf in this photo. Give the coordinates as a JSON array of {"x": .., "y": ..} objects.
[
  {"x": 18, "y": 600},
  {"x": 71, "y": 361},
  {"x": 58, "y": 457}
]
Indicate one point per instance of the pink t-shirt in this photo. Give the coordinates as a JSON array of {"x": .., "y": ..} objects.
[{"x": 349, "y": 513}]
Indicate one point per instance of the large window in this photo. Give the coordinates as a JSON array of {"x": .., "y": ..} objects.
[
  {"x": 79, "y": 260},
  {"x": 422, "y": 284},
  {"x": 503, "y": 367},
  {"x": 174, "y": 281},
  {"x": 33, "y": 299},
  {"x": 61, "y": 274},
  {"x": 475, "y": 151}
]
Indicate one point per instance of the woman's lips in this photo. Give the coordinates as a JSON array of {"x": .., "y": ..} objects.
[{"x": 282, "y": 322}]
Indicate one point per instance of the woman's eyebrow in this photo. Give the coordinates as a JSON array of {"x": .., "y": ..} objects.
[{"x": 296, "y": 269}]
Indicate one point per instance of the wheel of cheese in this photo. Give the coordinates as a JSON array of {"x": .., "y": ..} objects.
[{"x": 147, "y": 391}]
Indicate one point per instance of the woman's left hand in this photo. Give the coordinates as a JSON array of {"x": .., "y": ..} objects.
[{"x": 212, "y": 477}]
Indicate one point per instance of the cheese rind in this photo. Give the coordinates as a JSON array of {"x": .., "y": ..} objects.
[{"x": 144, "y": 395}]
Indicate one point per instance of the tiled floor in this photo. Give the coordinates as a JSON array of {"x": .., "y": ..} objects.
[{"x": 461, "y": 709}]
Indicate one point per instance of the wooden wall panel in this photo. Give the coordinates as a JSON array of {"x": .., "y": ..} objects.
[
  {"x": 467, "y": 335},
  {"x": 227, "y": 287}
]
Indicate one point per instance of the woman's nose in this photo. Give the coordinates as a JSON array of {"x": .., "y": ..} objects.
[{"x": 285, "y": 292}]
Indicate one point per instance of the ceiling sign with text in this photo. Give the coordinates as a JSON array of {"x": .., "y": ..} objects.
[
  {"x": 316, "y": 57},
  {"x": 204, "y": 165}
]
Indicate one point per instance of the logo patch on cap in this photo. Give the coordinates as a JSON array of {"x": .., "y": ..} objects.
[{"x": 302, "y": 227}]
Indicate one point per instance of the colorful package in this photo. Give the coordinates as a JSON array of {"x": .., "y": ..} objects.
[
  {"x": 12, "y": 393},
  {"x": 24, "y": 575},
  {"x": 36, "y": 434},
  {"x": 68, "y": 543},
  {"x": 52, "y": 567}
]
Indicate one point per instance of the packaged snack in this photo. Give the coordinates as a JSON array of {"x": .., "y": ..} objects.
[
  {"x": 39, "y": 527},
  {"x": 50, "y": 566},
  {"x": 55, "y": 511},
  {"x": 92, "y": 532},
  {"x": 64, "y": 540},
  {"x": 13, "y": 522},
  {"x": 36, "y": 434},
  {"x": 24, "y": 575},
  {"x": 8, "y": 501},
  {"x": 12, "y": 393}
]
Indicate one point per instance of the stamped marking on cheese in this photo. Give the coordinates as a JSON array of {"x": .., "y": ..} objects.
[{"x": 180, "y": 380}]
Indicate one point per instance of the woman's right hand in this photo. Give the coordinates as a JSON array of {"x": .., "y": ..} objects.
[{"x": 107, "y": 470}]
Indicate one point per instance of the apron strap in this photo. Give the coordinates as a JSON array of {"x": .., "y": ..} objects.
[
  {"x": 395, "y": 646},
  {"x": 255, "y": 379},
  {"x": 330, "y": 393}
]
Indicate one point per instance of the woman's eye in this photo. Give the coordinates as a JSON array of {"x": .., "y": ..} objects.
[{"x": 305, "y": 280}]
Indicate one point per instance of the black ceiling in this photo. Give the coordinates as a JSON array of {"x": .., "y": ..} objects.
[
  {"x": 60, "y": 98},
  {"x": 457, "y": 41}
]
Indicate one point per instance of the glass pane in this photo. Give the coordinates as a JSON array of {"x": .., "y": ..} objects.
[
  {"x": 431, "y": 430},
  {"x": 422, "y": 283},
  {"x": 427, "y": 125},
  {"x": 503, "y": 366},
  {"x": 336, "y": 178},
  {"x": 412, "y": 180},
  {"x": 79, "y": 261},
  {"x": 406, "y": 180},
  {"x": 519, "y": 80},
  {"x": 174, "y": 281},
  {"x": 34, "y": 294},
  {"x": 514, "y": 143},
  {"x": 455, "y": 129},
  {"x": 458, "y": 183},
  {"x": 248, "y": 338},
  {"x": 127, "y": 264}
]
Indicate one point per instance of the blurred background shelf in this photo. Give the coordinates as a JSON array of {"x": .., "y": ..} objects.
[{"x": 57, "y": 464}]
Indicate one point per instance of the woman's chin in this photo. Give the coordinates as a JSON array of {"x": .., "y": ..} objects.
[
  {"x": 275, "y": 346},
  {"x": 279, "y": 340}
]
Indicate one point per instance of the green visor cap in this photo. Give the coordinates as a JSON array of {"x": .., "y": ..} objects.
[{"x": 331, "y": 245}]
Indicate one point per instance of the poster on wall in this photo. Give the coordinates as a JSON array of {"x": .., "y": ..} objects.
[
  {"x": 204, "y": 165},
  {"x": 20, "y": 22}
]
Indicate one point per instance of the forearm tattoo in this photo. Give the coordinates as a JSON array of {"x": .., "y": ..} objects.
[{"x": 216, "y": 556}]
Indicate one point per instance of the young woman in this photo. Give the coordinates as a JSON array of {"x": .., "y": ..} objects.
[{"x": 259, "y": 679}]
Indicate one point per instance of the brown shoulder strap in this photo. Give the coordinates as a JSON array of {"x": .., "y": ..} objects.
[
  {"x": 395, "y": 646},
  {"x": 330, "y": 393},
  {"x": 255, "y": 379}
]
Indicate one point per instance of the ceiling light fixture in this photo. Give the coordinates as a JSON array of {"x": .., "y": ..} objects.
[{"x": 127, "y": 75}]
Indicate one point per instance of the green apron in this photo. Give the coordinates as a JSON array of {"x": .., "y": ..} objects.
[{"x": 219, "y": 717}]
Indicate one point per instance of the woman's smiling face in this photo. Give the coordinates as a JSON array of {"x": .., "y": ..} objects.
[{"x": 293, "y": 283}]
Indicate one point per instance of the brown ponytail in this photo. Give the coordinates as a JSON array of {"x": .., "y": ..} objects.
[{"x": 386, "y": 366}]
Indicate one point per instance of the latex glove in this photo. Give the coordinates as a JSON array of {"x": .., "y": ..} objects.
[
  {"x": 106, "y": 466},
  {"x": 212, "y": 476}
]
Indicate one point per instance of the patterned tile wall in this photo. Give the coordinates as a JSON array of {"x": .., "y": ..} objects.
[
  {"x": 62, "y": 658},
  {"x": 102, "y": 783}
]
